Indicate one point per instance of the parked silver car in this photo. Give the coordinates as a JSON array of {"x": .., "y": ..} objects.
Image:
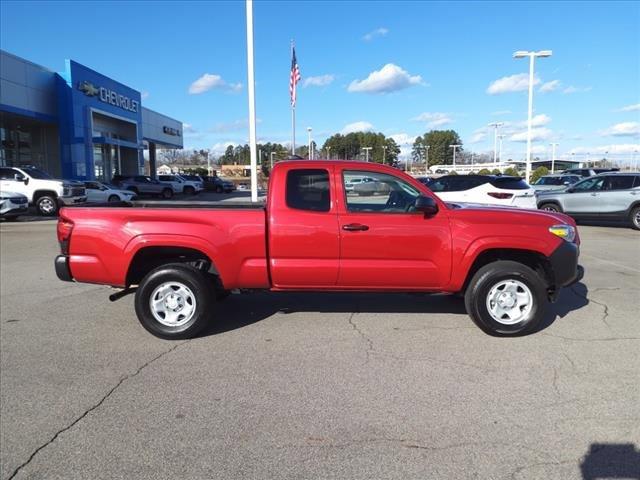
[
  {"x": 556, "y": 181},
  {"x": 607, "y": 196}
]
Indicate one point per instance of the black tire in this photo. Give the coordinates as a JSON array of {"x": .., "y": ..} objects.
[
  {"x": 550, "y": 207},
  {"x": 634, "y": 218},
  {"x": 482, "y": 283},
  {"x": 189, "y": 191},
  {"x": 114, "y": 198},
  {"x": 204, "y": 295},
  {"x": 47, "y": 205},
  {"x": 167, "y": 193},
  {"x": 219, "y": 189}
]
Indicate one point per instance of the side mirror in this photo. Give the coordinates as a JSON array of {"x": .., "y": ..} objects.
[
  {"x": 426, "y": 205},
  {"x": 567, "y": 183}
]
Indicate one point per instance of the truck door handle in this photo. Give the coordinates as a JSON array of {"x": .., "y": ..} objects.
[{"x": 354, "y": 227}]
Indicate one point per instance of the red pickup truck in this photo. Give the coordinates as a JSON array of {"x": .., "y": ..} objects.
[{"x": 316, "y": 233}]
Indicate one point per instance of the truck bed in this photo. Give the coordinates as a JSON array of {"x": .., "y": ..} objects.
[{"x": 108, "y": 237}]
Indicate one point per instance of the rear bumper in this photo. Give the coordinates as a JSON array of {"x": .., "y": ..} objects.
[
  {"x": 62, "y": 268},
  {"x": 564, "y": 263}
]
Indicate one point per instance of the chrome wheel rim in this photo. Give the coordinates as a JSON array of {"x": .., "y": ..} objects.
[
  {"x": 172, "y": 304},
  {"x": 636, "y": 218},
  {"x": 549, "y": 208},
  {"x": 47, "y": 205},
  {"x": 509, "y": 302}
]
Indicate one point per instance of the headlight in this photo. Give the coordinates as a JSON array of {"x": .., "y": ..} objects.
[{"x": 566, "y": 232}]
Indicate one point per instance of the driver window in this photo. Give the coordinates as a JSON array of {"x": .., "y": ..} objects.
[
  {"x": 380, "y": 193},
  {"x": 590, "y": 184}
]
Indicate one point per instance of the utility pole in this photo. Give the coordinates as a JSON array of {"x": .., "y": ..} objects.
[
  {"x": 496, "y": 126},
  {"x": 384, "y": 154},
  {"x": 309, "y": 152},
  {"x": 553, "y": 156},
  {"x": 271, "y": 155},
  {"x": 500, "y": 137},
  {"x": 328, "y": 153},
  {"x": 366, "y": 151},
  {"x": 454, "y": 154}
]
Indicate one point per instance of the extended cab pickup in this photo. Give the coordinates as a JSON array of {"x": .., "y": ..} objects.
[{"x": 314, "y": 235}]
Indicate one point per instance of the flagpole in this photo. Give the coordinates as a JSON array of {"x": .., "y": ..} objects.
[
  {"x": 293, "y": 117},
  {"x": 252, "y": 103}
]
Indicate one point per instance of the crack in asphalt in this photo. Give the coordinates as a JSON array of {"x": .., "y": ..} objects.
[
  {"x": 362, "y": 334},
  {"x": 555, "y": 382},
  {"x": 573, "y": 365},
  {"x": 602, "y": 304},
  {"x": 539, "y": 464},
  {"x": 91, "y": 409}
]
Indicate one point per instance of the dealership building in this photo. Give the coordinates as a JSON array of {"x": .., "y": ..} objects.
[{"x": 78, "y": 123}]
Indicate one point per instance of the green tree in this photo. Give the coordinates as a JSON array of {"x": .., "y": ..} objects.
[
  {"x": 496, "y": 171},
  {"x": 537, "y": 173},
  {"x": 350, "y": 147},
  {"x": 484, "y": 171},
  {"x": 511, "y": 172},
  {"x": 439, "y": 142}
]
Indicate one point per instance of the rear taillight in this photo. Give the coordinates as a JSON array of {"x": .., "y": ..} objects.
[
  {"x": 65, "y": 226},
  {"x": 500, "y": 195}
]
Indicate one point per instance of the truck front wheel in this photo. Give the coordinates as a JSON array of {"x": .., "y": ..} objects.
[
  {"x": 506, "y": 298},
  {"x": 47, "y": 205},
  {"x": 174, "y": 301}
]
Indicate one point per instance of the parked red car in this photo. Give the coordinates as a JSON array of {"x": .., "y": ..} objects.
[{"x": 182, "y": 257}]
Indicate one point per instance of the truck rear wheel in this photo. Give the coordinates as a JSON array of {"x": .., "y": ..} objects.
[
  {"x": 506, "y": 298},
  {"x": 174, "y": 301}
]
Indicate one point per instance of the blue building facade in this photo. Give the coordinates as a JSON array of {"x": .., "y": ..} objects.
[{"x": 78, "y": 123}]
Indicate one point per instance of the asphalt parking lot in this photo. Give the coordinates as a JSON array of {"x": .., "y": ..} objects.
[{"x": 317, "y": 385}]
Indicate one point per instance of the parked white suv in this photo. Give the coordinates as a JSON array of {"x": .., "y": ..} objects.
[
  {"x": 44, "y": 192},
  {"x": 484, "y": 189},
  {"x": 181, "y": 185}
]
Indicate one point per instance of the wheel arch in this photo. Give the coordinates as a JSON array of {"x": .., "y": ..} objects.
[
  {"x": 537, "y": 261},
  {"x": 148, "y": 258},
  {"x": 42, "y": 193}
]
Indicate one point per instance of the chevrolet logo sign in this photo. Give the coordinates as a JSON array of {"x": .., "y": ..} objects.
[{"x": 89, "y": 89}]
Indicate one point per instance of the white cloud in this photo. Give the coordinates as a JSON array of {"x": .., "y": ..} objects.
[
  {"x": 550, "y": 86},
  {"x": 537, "y": 149},
  {"x": 620, "y": 148},
  {"x": 571, "y": 89},
  {"x": 537, "y": 121},
  {"x": 513, "y": 83},
  {"x": 501, "y": 112},
  {"x": 536, "y": 134},
  {"x": 433, "y": 119},
  {"x": 210, "y": 81},
  {"x": 318, "y": 81},
  {"x": 356, "y": 127},
  {"x": 630, "y": 108},
  {"x": 234, "y": 126},
  {"x": 405, "y": 142},
  {"x": 389, "y": 78},
  {"x": 188, "y": 128},
  {"x": 219, "y": 148},
  {"x": 378, "y": 32},
  {"x": 144, "y": 95},
  {"x": 624, "y": 129}
]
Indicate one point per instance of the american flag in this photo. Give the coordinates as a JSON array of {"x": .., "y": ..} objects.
[{"x": 295, "y": 77}]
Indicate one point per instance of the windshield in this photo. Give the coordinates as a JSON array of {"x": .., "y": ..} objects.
[
  {"x": 38, "y": 174},
  {"x": 510, "y": 183}
]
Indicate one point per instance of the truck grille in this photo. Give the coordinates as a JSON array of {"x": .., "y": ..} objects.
[{"x": 75, "y": 191}]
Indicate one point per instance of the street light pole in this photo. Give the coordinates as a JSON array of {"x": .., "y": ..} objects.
[
  {"x": 271, "y": 155},
  {"x": 309, "y": 152},
  {"x": 366, "y": 151},
  {"x": 251, "y": 86},
  {"x": 532, "y": 56},
  {"x": 454, "y": 154},
  {"x": 553, "y": 156},
  {"x": 328, "y": 153},
  {"x": 500, "y": 137},
  {"x": 384, "y": 154},
  {"x": 496, "y": 126}
]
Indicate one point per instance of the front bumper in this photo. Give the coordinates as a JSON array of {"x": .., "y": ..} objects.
[
  {"x": 9, "y": 208},
  {"x": 62, "y": 268},
  {"x": 72, "y": 200},
  {"x": 564, "y": 265}
]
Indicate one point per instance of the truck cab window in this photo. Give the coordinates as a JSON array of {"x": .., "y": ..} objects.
[
  {"x": 308, "y": 189},
  {"x": 382, "y": 193}
]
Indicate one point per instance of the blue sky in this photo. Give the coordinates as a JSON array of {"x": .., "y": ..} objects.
[{"x": 401, "y": 68}]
